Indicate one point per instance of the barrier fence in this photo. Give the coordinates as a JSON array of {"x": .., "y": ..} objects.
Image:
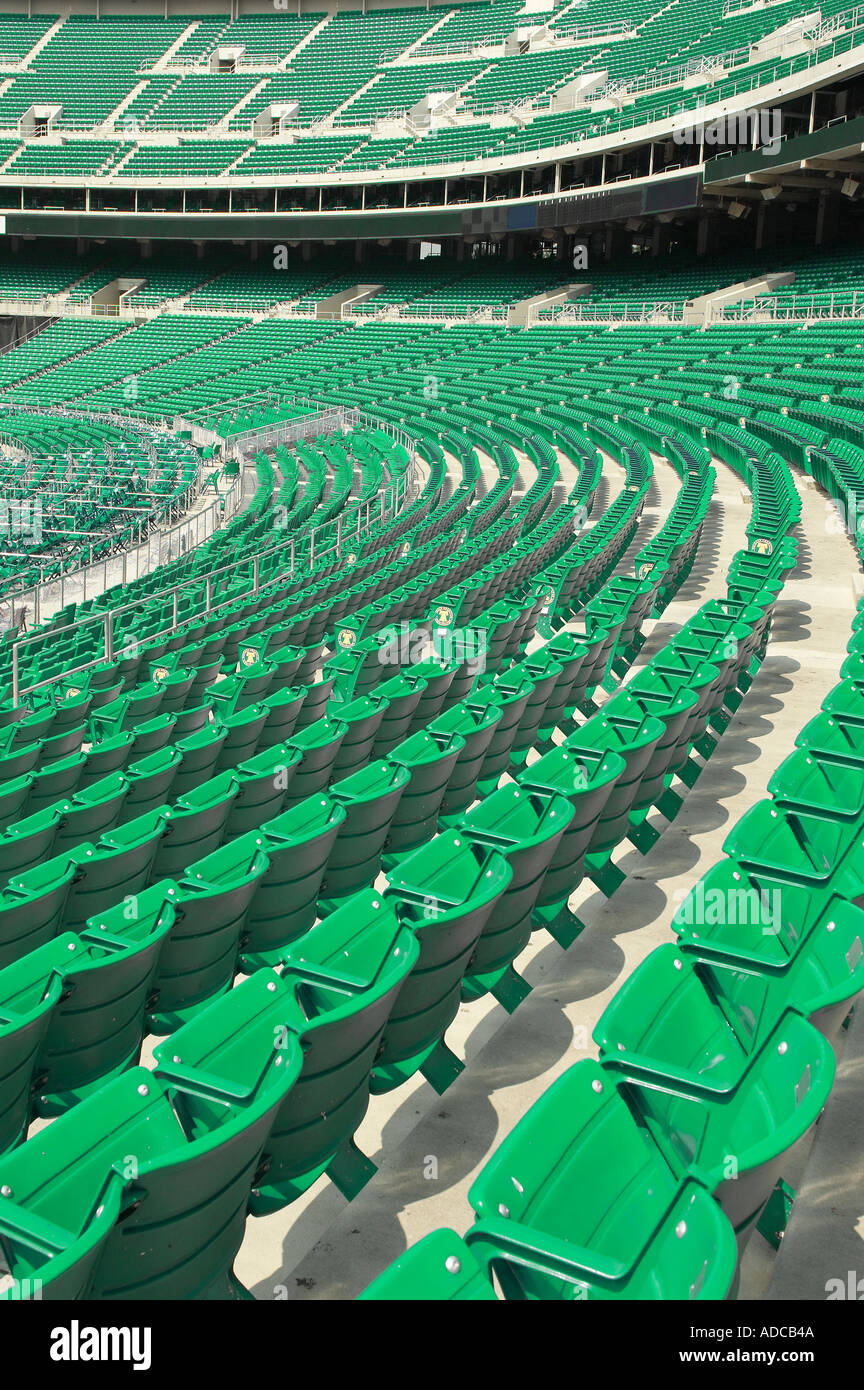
[{"x": 300, "y": 552}]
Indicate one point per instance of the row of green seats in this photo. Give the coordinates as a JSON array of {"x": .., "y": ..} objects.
[
  {"x": 98, "y": 870},
  {"x": 234, "y": 994}
]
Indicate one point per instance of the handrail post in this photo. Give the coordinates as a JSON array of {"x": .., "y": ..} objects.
[
  {"x": 109, "y": 636},
  {"x": 174, "y": 609},
  {"x": 14, "y": 674}
]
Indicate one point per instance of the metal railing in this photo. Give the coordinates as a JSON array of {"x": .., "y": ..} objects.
[
  {"x": 617, "y": 28},
  {"x": 301, "y": 551},
  {"x": 287, "y": 431},
  {"x": 849, "y": 18},
  {"x": 199, "y": 65},
  {"x": 653, "y": 311},
  {"x": 48, "y": 596},
  {"x": 9, "y": 441},
  {"x": 794, "y": 308},
  {"x": 321, "y": 417},
  {"x": 54, "y": 306},
  {"x": 744, "y": 6},
  {"x": 172, "y": 507},
  {"x": 467, "y": 310},
  {"x": 762, "y": 308},
  {"x": 452, "y": 48},
  {"x": 660, "y": 78}
]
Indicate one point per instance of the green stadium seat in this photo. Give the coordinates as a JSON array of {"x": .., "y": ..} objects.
[
  {"x": 587, "y": 779},
  {"x": 808, "y": 945},
  {"x": 89, "y": 813},
  {"x": 196, "y": 825},
  {"x": 430, "y": 757},
  {"x": 439, "y": 1267},
  {"x": 29, "y": 842},
  {"x": 697, "y": 1063},
  {"x": 577, "y": 1202},
  {"x": 526, "y": 827},
  {"x": 318, "y": 745},
  {"x": 265, "y": 781},
  {"x": 151, "y": 782},
  {"x": 95, "y": 1031},
  {"x": 30, "y": 990},
  {"x": 116, "y": 868},
  {"x": 201, "y": 752},
  {"x": 445, "y": 892},
  {"x": 369, "y": 799},
  {"x": 362, "y": 718},
  {"x": 474, "y": 720},
  {"x": 199, "y": 958},
  {"x": 342, "y": 978}
]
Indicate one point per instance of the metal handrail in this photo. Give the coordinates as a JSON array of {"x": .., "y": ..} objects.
[
  {"x": 351, "y": 416},
  {"x": 798, "y": 308},
  {"x": 321, "y": 419},
  {"x": 461, "y": 309},
  {"x": 644, "y": 311},
  {"x": 388, "y": 502}
]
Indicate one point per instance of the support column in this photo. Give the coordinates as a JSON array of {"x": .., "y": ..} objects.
[
  {"x": 702, "y": 234},
  {"x": 821, "y": 209}
]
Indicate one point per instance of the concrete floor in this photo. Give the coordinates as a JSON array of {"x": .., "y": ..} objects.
[
  {"x": 429, "y": 1149},
  {"x": 824, "y": 1240}
]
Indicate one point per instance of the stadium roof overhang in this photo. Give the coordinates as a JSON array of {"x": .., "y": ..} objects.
[{"x": 822, "y": 160}]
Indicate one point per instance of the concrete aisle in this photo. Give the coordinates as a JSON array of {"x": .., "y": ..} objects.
[{"x": 822, "y": 1253}]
